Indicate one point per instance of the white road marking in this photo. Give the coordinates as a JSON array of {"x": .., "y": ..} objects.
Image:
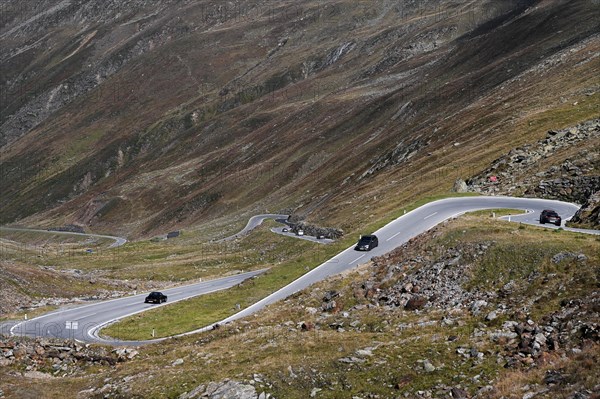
[
  {"x": 86, "y": 315},
  {"x": 433, "y": 214},
  {"x": 394, "y": 236},
  {"x": 357, "y": 258}
]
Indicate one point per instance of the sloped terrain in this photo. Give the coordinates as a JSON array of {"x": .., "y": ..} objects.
[
  {"x": 476, "y": 308},
  {"x": 138, "y": 119},
  {"x": 589, "y": 214},
  {"x": 564, "y": 165}
]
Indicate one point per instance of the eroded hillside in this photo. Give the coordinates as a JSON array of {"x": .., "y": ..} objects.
[{"x": 164, "y": 113}]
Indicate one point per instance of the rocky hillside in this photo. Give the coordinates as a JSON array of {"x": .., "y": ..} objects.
[
  {"x": 565, "y": 165},
  {"x": 475, "y": 308},
  {"x": 167, "y": 113},
  {"x": 589, "y": 214}
]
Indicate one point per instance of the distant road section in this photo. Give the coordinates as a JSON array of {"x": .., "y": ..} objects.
[
  {"x": 118, "y": 241},
  {"x": 254, "y": 222}
]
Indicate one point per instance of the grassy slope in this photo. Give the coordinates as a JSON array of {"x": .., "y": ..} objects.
[
  {"x": 271, "y": 344},
  {"x": 296, "y": 146},
  {"x": 313, "y": 355}
]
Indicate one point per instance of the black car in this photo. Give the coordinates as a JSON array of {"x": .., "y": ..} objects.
[
  {"x": 156, "y": 297},
  {"x": 367, "y": 243},
  {"x": 549, "y": 216}
]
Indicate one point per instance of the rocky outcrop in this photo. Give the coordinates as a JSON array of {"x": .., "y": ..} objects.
[
  {"x": 589, "y": 214},
  {"x": 316, "y": 231},
  {"x": 57, "y": 357},
  {"x": 460, "y": 186},
  {"x": 573, "y": 326},
  {"x": 227, "y": 389},
  {"x": 431, "y": 283},
  {"x": 573, "y": 180},
  {"x": 576, "y": 189}
]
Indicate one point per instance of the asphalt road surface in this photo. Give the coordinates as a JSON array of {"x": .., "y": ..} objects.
[{"x": 390, "y": 236}]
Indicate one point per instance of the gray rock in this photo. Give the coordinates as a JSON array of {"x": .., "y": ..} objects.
[
  {"x": 491, "y": 316},
  {"x": 561, "y": 256},
  {"x": 458, "y": 393},
  {"x": 477, "y": 306},
  {"x": 540, "y": 338},
  {"x": 311, "y": 310},
  {"x": 460, "y": 186},
  {"x": 291, "y": 372},
  {"x": 495, "y": 336},
  {"x": 589, "y": 214},
  {"x": 351, "y": 360},
  {"x": 330, "y": 295},
  {"x": 230, "y": 389},
  {"x": 177, "y": 362},
  {"x": 428, "y": 367},
  {"x": 364, "y": 352},
  {"x": 194, "y": 393},
  {"x": 329, "y": 306},
  {"x": 474, "y": 352}
]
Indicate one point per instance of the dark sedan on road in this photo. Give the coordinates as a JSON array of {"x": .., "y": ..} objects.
[
  {"x": 549, "y": 216},
  {"x": 156, "y": 297},
  {"x": 367, "y": 243}
]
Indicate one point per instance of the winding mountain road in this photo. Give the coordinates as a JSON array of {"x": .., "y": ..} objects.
[
  {"x": 394, "y": 234},
  {"x": 409, "y": 226},
  {"x": 254, "y": 222}
]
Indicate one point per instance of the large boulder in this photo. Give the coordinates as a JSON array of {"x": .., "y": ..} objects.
[
  {"x": 227, "y": 389},
  {"x": 460, "y": 186},
  {"x": 589, "y": 214},
  {"x": 316, "y": 231}
]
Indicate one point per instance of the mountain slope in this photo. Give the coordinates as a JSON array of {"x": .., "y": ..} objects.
[{"x": 163, "y": 114}]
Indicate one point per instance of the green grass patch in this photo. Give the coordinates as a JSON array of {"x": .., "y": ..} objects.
[
  {"x": 29, "y": 313},
  {"x": 497, "y": 212}
]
